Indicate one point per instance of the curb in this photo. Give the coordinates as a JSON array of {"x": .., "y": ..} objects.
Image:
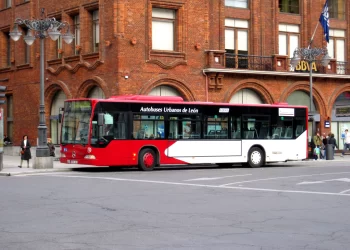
[{"x": 33, "y": 172}]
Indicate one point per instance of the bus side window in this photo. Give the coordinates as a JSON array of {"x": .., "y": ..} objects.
[
  {"x": 235, "y": 127},
  {"x": 299, "y": 130}
]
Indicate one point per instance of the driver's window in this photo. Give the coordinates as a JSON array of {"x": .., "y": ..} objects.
[{"x": 113, "y": 127}]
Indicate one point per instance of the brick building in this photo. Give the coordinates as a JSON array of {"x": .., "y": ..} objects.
[{"x": 203, "y": 50}]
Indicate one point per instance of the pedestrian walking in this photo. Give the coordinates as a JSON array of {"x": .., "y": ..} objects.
[
  {"x": 25, "y": 151},
  {"x": 347, "y": 142}
]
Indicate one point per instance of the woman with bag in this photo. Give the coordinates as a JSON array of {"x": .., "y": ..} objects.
[{"x": 25, "y": 151}]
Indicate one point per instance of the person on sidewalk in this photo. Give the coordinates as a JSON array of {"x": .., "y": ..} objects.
[
  {"x": 25, "y": 151},
  {"x": 324, "y": 145},
  {"x": 317, "y": 140},
  {"x": 51, "y": 147},
  {"x": 347, "y": 142},
  {"x": 317, "y": 153},
  {"x": 7, "y": 140}
]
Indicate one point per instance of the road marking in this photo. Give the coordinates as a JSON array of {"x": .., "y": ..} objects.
[
  {"x": 345, "y": 191},
  {"x": 324, "y": 181},
  {"x": 216, "y": 178},
  {"x": 282, "y": 177},
  {"x": 201, "y": 185},
  {"x": 310, "y": 182}
]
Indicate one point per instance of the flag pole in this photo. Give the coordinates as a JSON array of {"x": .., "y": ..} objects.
[{"x": 312, "y": 38}]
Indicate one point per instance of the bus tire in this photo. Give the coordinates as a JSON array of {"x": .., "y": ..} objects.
[
  {"x": 255, "y": 157},
  {"x": 147, "y": 159}
]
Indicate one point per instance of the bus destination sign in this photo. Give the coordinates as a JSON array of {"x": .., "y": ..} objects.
[{"x": 169, "y": 110}]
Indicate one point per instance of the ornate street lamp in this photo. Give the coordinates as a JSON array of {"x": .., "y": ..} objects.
[
  {"x": 310, "y": 55},
  {"x": 42, "y": 28}
]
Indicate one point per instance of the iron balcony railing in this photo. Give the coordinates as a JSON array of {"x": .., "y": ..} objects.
[
  {"x": 267, "y": 63},
  {"x": 238, "y": 61}
]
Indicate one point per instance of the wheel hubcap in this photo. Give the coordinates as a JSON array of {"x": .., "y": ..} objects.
[
  {"x": 256, "y": 157},
  {"x": 148, "y": 160}
]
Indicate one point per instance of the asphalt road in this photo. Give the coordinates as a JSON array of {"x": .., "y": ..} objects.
[{"x": 301, "y": 205}]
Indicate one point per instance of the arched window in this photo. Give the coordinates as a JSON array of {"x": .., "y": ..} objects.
[
  {"x": 300, "y": 98},
  {"x": 56, "y": 110},
  {"x": 246, "y": 96},
  {"x": 96, "y": 92},
  {"x": 164, "y": 91}
]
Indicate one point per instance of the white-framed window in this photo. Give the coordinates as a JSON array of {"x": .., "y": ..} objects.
[
  {"x": 95, "y": 30},
  {"x": 237, "y": 3},
  {"x": 288, "y": 39},
  {"x": 76, "y": 24},
  {"x": 163, "y": 29},
  {"x": 236, "y": 43},
  {"x": 336, "y": 48}
]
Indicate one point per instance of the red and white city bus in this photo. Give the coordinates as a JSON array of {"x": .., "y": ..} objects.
[{"x": 149, "y": 131}]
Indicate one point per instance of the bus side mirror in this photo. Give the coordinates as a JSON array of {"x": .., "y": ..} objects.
[
  {"x": 100, "y": 119},
  {"x": 60, "y": 118}
]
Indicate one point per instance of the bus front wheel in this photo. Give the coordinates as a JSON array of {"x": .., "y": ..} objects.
[
  {"x": 147, "y": 159},
  {"x": 256, "y": 157}
]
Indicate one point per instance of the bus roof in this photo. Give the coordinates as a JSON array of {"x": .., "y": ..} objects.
[{"x": 177, "y": 100}]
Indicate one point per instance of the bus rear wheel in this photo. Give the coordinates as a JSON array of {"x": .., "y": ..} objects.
[
  {"x": 147, "y": 159},
  {"x": 256, "y": 157}
]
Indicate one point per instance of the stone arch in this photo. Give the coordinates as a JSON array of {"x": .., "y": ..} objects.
[
  {"x": 179, "y": 85},
  {"x": 87, "y": 85},
  {"x": 252, "y": 84},
  {"x": 305, "y": 86},
  {"x": 51, "y": 91},
  {"x": 341, "y": 89}
]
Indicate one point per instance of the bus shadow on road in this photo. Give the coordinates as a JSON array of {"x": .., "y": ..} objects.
[
  {"x": 183, "y": 167},
  {"x": 161, "y": 168}
]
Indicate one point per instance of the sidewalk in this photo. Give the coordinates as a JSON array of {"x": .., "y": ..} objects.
[
  {"x": 10, "y": 167},
  {"x": 337, "y": 157}
]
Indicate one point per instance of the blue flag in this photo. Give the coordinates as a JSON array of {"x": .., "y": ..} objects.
[{"x": 324, "y": 20}]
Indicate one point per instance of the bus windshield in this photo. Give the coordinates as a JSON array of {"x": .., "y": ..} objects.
[{"x": 76, "y": 120}]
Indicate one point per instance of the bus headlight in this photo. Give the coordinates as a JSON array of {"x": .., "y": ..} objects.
[
  {"x": 90, "y": 157},
  {"x": 63, "y": 155}
]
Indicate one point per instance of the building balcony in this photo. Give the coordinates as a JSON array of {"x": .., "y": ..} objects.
[{"x": 221, "y": 61}]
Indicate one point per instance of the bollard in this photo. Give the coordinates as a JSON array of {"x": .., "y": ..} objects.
[{"x": 329, "y": 152}]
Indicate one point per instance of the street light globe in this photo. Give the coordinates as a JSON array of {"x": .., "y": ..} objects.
[
  {"x": 325, "y": 60},
  {"x": 15, "y": 34},
  {"x": 68, "y": 37},
  {"x": 295, "y": 60},
  {"x": 54, "y": 35},
  {"x": 29, "y": 38}
]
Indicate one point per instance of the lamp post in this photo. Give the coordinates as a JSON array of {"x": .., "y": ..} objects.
[
  {"x": 310, "y": 55},
  {"x": 42, "y": 28}
]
